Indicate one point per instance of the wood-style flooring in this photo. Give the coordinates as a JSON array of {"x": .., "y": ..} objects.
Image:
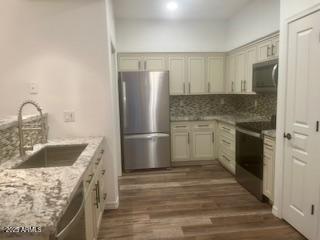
[{"x": 190, "y": 203}]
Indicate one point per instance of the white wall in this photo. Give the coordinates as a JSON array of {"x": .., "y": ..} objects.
[
  {"x": 258, "y": 19},
  {"x": 64, "y": 47},
  {"x": 170, "y": 36}
]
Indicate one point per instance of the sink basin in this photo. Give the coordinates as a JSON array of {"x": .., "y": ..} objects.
[{"x": 53, "y": 156}]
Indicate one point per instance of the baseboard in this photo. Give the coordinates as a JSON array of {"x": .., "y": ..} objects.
[
  {"x": 193, "y": 163},
  {"x": 112, "y": 204},
  {"x": 275, "y": 211}
]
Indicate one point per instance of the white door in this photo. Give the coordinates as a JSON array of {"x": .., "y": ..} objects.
[
  {"x": 203, "y": 144},
  {"x": 197, "y": 75},
  {"x": 215, "y": 74},
  {"x": 264, "y": 50},
  {"x": 180, "y": 145},
  {"x": 177, "y": 70},
  {"x": 130, "y": 63},
  {"x": 251, "y": 58},
  {"x": 240, "y": 71},
  {"x": 231, "y": 73},
  {"x": 155, "y": 63},
  {"x": 301, "y": 169}
]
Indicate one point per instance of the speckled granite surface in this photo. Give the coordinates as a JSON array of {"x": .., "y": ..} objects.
[
  {"x": 270, "y": 133},
  {"x": 231, "y": 119},
  {"x": 39, "y": 197}
]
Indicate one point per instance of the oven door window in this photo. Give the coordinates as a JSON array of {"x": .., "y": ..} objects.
[{"x": 249, "y": 153}]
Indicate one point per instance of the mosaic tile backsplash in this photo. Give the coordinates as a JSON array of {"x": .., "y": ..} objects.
[
  {"x": 207, "y": 105},
  {"x": 9, "y": 140}
]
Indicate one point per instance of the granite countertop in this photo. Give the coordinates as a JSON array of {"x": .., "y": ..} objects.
[
  {"x": 270, "y": 133},
  {"x": 11, "y": 121},
  {"x": 39, "y": 196},
  {"x": 231, "y": 119}
]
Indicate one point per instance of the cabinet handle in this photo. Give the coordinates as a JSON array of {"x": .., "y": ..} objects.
[
  {"x": 268, "y": 50},
  {"x": 213, "y": 137},
  {"x": 189, "y": 88},
  {"x": 232, "y": 86},
  {"x": 90, "y": 178},
  {"x": 180, "y": 126},
  {"x": 226, "y": 142},
  {"x": 102, "y": 151},
  {"x": 139, "y": 65},
  {"x": 188, "y": 138},
  {"x": 226, "y": 158},
  {"x": 103, "y": 172},
  {"x": 272, "y": 50},
  {"x": 104, "y": 196},
  {"x": 145, "y": 65},
  {"x": 241, "y": 85},
  {"x": 268, "y": 145},
  {"x": 209, "y": 87},
  {"x": 184, "y": 88},
  {"x": 98, "y": 161},
  {"x": 226, "y": 129},
  {"x": 97, "y": 189},
  {"x": 244, "y": 85},
  {"x": 203, "y": 125}
]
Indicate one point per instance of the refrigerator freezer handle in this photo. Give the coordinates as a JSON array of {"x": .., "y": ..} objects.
[{"x": 124, "y": 99}]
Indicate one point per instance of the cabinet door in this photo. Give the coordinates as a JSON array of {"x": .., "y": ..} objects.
[
  {"x": 197, "y": 75},
  {"x": 130, "y": 63},
  {"x": 155, "y": 64},
  {"x": 203, "y": 144},
  {"x": 264, "y": 50},
  {"x": 268, "y": 176},
  {"x": 215, "y": 74},
  {"x": 180, "y": 145},
  {"x": 231, "y": 73},
  {"x": 89, "y": 213},
  {"x": 177, "y": 71},
  {"x": 240, "y": 71},
  {"x": 251, "y": 58},
  {"x": 275, "y": 47}
]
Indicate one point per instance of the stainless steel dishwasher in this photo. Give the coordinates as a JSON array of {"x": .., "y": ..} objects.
[{"x": 72, "y": 223}]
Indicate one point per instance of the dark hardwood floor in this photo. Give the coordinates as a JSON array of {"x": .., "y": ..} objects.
[{"x": 190, "y": 203}]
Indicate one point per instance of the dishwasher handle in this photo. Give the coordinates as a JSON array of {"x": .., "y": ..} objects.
[{"x": 61, "y": 235}]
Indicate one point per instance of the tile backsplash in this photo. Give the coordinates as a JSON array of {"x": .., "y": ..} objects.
[{"x": 205, "y": 105}]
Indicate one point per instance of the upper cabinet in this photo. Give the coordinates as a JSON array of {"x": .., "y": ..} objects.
[
  {"x": 216, "y": 74},
  {"x": 196, "y": 75},
  {"x": 177, "y": 71},
  {"x": 268, "y": 49},
  {"x": 206, "y": 73}
]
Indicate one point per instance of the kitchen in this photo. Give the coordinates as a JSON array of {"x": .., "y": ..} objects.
[{"x": 201, "y": 129}]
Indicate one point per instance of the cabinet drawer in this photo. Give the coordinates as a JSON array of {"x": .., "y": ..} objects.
[
  {"x": 204, "y": 125},
  {"x": 227, "y": 131},
  {"x": 227, "y": 143},
  {"x": 228, "y": 160},
  {"x": 88, "y": 178},
  {"x": 180, "y": 126}
]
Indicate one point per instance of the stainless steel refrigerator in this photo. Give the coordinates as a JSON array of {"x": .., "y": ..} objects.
[{"x": 145, "y": 125}]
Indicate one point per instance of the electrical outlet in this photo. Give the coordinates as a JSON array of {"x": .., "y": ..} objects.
[
  {"x": 222, "y": 101},
  {"x": 69, "y": 117}
]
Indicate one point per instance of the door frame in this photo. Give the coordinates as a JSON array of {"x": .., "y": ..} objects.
[{"x": 277, "y": 209}]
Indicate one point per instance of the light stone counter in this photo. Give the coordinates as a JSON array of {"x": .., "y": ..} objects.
[{"x": 39, "y": 196}]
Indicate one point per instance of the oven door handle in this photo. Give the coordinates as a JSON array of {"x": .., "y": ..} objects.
[
  {"x": 250, "y": 133},
  {"x": 61, "y": 235},
  {"x": 274, "y": 75}
]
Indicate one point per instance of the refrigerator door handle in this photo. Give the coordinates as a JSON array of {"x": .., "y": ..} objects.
[
  {"x": 147, "y": 136},
  {"x": 124, "y": 93}
]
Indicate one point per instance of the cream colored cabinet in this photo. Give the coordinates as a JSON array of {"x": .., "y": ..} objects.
[
  {"x": 193, "y": 141},
  {"x": 180, "y": 141},
  {"x": 196, "y": 75},
  {"x": 153, "y": 63},
  {"x": 216, "y": 74},
  {"x": 251, "y": 59},
  {"x": 231, "y": 74},
  {"x": 227, "y": 146},
  {"x": 177, "y": 70},
  {"x": 132, "y": 62},
  {"x": 202, "y": 141},
  {"x": 95, "y": 195},
  {"x": 240, "y": 66},
  {"x": 268, "y": 49},
  {"x": 268, "y": 167}
]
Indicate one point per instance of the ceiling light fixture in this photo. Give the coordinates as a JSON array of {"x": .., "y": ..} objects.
[{"x": 172, "y": 6}]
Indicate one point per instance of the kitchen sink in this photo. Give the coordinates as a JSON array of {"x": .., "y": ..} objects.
[{"x": 53, "y": 156}]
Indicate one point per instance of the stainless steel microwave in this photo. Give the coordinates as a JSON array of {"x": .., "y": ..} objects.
[{"x": 265, "y": 76}]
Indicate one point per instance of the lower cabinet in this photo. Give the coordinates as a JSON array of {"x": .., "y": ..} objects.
[
  {"x": 268, "y": 167},
  {"x": 193, "y": 141},
  {"x": 95, "y": 196},
  {"x": 227, "y": 146}
]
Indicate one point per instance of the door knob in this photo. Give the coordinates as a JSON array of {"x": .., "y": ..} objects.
[{"x": 287, "y": 136}]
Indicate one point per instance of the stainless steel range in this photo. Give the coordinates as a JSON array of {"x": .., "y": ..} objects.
[{"x": 249, "y": 155}]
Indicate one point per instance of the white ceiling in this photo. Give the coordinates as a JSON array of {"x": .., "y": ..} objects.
[{"x": 188, "y": 9}]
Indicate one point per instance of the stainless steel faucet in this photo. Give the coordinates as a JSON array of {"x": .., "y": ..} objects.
[{"x": 25, "y": 127}]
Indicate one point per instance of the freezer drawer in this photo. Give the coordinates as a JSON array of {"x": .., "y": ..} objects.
[{"x": 146, "y": 151}]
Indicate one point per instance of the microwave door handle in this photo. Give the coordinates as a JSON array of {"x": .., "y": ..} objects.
[{"x": 274, "y": 75}]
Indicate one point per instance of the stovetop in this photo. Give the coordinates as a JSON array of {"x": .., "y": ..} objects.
[{"x": 257, "y": 127}]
